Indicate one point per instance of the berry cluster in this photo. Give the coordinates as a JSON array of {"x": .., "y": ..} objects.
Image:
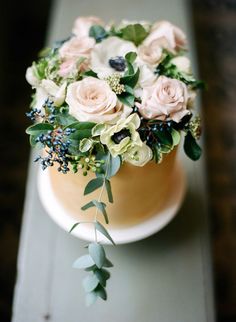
[
  {"x": 34, "y": 114},
  {"x": 50, "y": 110},
  {"x": 56, "y": 145}
]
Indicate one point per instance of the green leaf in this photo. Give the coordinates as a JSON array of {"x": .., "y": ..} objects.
[
  {"x": 126, "y": 99},
  {"x": 164, "y": 137},
  {"x": 98, "y": 33},
  {"x": 97, "y": 253},
  {"x": 130, "y": 80},
  {"x": 84, "y": 261},
  {"x": 131, "y": 56},
  {"x": 93, "y": 185},
  {"x": 85, "y": 145},
  {"x": 103, "y": 231},
  {"x": 91, "y": 298},
  {"x": 191, "y": 148},
  {"x": 129, "y": 89},
  {"x": 97, "y": 129},
  {"x": 101, "y": 206},
  {"x": 82, "y": 125},
  {"x": 175, "y": 136},
  {"x": 102, "y": 275},
  {"x": 101, "y": 292},
  {"x": 90, "y": 73},
  {"x": 39, "y": 128},
  {"x": 90, "y": 282},
  {"x": 135, "y": 33},
  {"x": 73, "y": 227},
  {"x": 108, "y": 189}
]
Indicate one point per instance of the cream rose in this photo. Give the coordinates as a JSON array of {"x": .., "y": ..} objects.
[
  {"x": 83, "y": 24},
  {"x": 138, "y": 155},
  {"x": 31, "y": 76},
  {"x": 166, "y": 99},
  {"x": 93, "y": 100},
  {"x": 183, "y": 64},
  {"x": 49, "y": 89},
  {"x": 173, "y": 38},
  {"x": 109, "y": 48}
]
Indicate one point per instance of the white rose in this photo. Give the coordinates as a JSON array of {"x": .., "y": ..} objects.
[
  {"x": 83, "y": 24},
  {"x": 173, "y": 37},
  {"x": 109, "y": 48},
  {"x": 166, "y": 99},
  {"x": 92, "y": 99},
  {"x": 139, "y": 155},
  {"x": 183, "y": 64}
]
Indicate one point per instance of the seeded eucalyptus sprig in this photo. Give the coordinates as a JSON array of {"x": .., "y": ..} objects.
[{"x": 96, "y": 261}]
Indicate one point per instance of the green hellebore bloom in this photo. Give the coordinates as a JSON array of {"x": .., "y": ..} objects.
[{"x": 131, "y": 124}]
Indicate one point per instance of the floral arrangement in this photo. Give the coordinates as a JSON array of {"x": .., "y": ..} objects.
[{"x": 111, "y": 94}]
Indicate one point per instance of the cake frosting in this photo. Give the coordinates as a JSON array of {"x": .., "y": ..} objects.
[{"x": 139, "y": 192}]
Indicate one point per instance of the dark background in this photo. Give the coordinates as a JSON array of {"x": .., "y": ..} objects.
[{"x": 23, "y": 28}]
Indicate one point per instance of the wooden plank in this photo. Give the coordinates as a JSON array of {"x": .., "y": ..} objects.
[{"x": 164, "y": 278}]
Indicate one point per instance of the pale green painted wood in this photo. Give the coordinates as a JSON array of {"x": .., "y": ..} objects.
[{"x": 165, "y": 278}]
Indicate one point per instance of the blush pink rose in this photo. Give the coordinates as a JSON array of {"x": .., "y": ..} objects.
[
  {"x": 83, "y": 24},
  {"x": 173, "y": 37},
  {"x": 92, "y": 99},
  {"x": 165, "y": 100},
  {"x": 67, "y": 68},
  {"x": 76, "y": 48},
  {"x": 152, "y": 53}
]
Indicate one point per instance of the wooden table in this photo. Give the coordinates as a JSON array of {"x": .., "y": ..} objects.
[{"x": 165, "y": 278}]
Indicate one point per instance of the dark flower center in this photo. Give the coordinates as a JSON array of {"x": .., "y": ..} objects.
[
  {"x": 119, "y": 136},
  {"x": 118, "y": 63}
]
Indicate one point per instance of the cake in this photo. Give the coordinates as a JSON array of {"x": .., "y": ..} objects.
[
  {"x": 110, "y": 106},
  {"x": 139, "y": 192}
]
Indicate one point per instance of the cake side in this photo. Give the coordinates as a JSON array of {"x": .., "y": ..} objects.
[{"x": 139, "y": 192}]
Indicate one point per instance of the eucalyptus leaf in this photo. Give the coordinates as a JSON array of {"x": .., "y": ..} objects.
[
  {"x": 91, "y": 298},
  {"x": 135, "y": 33},
  {"x": 74, "y": 226},
  {"x": 109, "y": 191},
  {"x": 191, "y": 148},
  {"x": 90, "y": 282},
  {"x": 88, "y": 205},
  {"x": 113, "y": 166},
  {"x": 107, "y": 263},
  {"x": 84, "y": 261},
  {"x": 102, "y": 275},
  {"x": 101, "y": 206},
  {"x": 101, "y": 292},
  {"x": 103, "y": 231},
  {"x": 93, "y": 185},
  {"x": 97, "y": 253}
]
